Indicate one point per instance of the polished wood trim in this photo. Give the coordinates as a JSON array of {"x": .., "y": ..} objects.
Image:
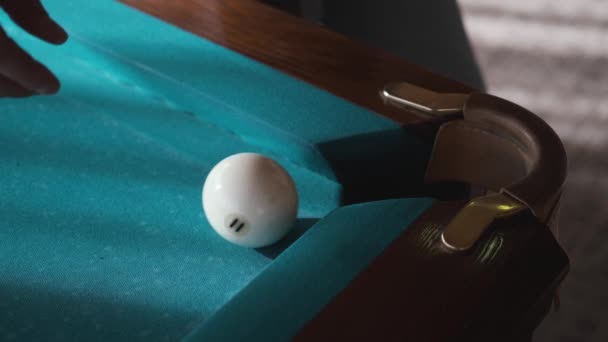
[
  {"x": 416, "y": 291},
  {"x": 305, "y": 50}
]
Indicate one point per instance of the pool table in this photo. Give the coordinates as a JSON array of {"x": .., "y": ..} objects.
[{"x": 427, "y": 209}]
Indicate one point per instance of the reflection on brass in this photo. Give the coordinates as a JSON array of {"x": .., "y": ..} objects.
[
  {"x": 490, "y": 249},
  {"x": 474, "y": 219},
  {"x": 429, "y": 102},
  {"x": 428, "y": 238}
]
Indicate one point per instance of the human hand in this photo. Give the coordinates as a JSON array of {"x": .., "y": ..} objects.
[{"x": 20, "y": 74}]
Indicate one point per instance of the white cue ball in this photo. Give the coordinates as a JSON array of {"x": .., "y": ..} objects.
[{"x": 250, "y": 200}]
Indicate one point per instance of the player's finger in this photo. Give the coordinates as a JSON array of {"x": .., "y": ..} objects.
[
  {"x": 32, "y": 17},
  {"x": 10, "y": 88},
  {"x": 19, "y": 66}
]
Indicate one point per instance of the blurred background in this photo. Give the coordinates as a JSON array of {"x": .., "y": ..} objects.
[{"x": 551, "y": 56}]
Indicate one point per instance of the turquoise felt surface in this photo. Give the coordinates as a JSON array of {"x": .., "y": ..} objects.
[{"x": 102, "y": 234}]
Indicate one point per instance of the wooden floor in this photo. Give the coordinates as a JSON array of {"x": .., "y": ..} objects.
[{"x": 552, "y": 57}]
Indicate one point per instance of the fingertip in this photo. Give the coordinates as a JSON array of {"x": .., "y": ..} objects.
[
  {"x": 33, "y": 18},
  {"x": 49, "y": 88},
  {"x": 56, "y": 35},
  {"x": 47, "y": 30},
  {"x": 10, "y": 88},
  {"x": 20, "y": 67}
]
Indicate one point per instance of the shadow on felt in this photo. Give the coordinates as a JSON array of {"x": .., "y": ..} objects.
[{"x": 387, "y": 164}]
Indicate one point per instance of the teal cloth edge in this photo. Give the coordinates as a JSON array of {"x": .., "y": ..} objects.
[{"x": 305, "y": 277}]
